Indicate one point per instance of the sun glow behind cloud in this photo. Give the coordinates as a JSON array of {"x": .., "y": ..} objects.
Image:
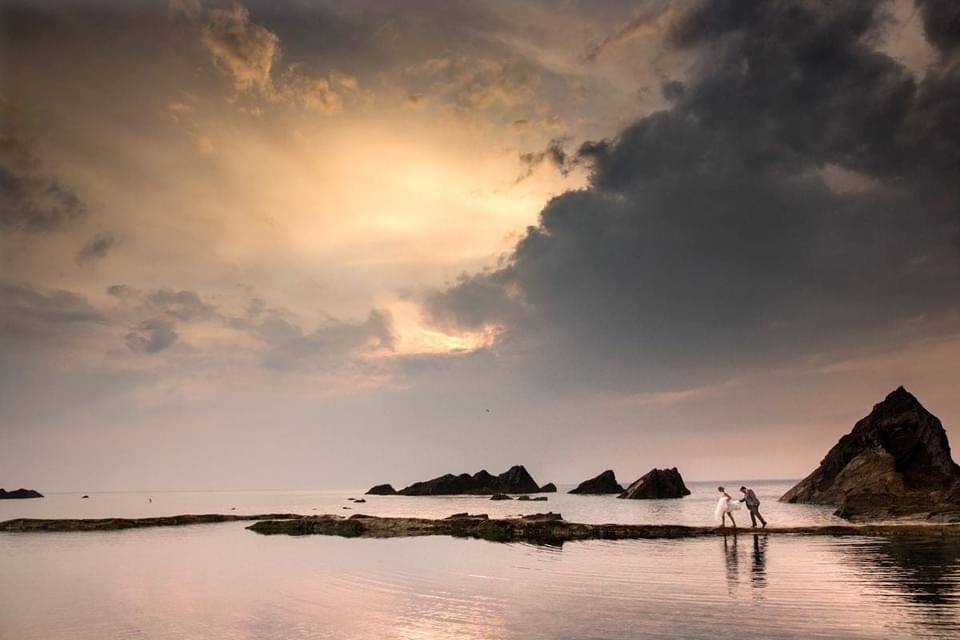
[{"x": 415, "y": 337}]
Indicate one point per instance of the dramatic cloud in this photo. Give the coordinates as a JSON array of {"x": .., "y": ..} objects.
[
  {"x": 152, "y": 336},
  {"x": 96, "y": 248},
  {"x": 472, "y": 84},
  {"x": 709, "y": 238},
  {"x": 29, "y": 316},
  {"x": 283, "y": 343},
  {"x": 248, "y": 53},
  {"x": 554, "y": 154},
  {"x": 30, "y": 200},
  {"x": 647, "y": 21}
]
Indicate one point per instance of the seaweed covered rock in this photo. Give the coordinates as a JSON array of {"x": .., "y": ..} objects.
[{"x": 657, "y": 484}]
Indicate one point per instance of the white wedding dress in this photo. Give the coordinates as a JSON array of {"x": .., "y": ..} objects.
[{"x": 724, "y": 505}]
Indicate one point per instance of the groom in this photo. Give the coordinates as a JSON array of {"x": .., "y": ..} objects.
[{"x": 753, "y": 504}]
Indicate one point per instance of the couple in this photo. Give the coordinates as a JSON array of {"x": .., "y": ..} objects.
[{"x": 726, "y": 506}]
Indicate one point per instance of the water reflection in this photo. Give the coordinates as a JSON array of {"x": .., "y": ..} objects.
[
  {"x": 923, "y": 571},
  {"x": 731, "y": 562},
  {"x": 221, "y": 581},
  {"x": 758, "y": 566}
]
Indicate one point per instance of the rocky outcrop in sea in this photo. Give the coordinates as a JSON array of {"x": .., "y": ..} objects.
[
  {"x": 657, "y": 484},
  {"x": 381, "y": 490},
  {"x": 19, "y": 494},
  {"x": 602, "y": 484},
  {"x": 515, "y": 480},
  {"x": 895, "y": 463}
]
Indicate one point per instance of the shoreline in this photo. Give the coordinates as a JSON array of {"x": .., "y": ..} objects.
[{"x": 538, "y": 528}]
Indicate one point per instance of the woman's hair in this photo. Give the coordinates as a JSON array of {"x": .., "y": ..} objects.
[{"x": 720, "y": 489}]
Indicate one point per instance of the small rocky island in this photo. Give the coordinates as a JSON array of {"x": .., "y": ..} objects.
[
  {"x": 516, "y": 479},
  {"x": 603, "y": 484},
  {"x": 657, "y": 484},
  {"x": 382, "y": 490},
  {"x": 19, "y": 494},
  {"x": 895, "y": 463}
]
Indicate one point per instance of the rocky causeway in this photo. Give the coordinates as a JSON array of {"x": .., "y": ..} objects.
[{"x": 542, "y": 528}]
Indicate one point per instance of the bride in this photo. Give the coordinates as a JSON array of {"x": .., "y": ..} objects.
[{"x": 725, "y": 508}]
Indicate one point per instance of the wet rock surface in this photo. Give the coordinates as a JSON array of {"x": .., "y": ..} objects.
[
  {"x": 25, "y": 525},
  {"x": 552, "y": 529}
]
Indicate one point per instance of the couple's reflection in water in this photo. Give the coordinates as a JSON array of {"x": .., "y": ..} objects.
[
  {"x": 923, "y": 573},
  {"x": 758, "y": 561}
]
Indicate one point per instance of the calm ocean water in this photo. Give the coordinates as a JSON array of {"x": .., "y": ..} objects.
[{"x": 221, "y": 581}]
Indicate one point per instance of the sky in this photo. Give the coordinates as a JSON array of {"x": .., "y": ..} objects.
[{"x": 316, "y": 244}]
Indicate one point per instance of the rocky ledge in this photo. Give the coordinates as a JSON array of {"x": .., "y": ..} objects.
[
  {"x": 113, "y": 524},
  {"x": 657, "y": 484},
  {"x": 895, "y": 463},
  {"x": 602, "y": 484},
  {"x": 551, "y": 528},
  {"x": 19, "y": 494}
]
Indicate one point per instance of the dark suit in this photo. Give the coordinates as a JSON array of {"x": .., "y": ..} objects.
[{"x": 753, "y": 504}]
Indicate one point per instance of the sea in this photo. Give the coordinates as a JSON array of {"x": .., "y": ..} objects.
[{"x": 223, "y": 581}]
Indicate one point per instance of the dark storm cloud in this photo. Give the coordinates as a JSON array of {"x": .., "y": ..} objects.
[
  {"x": 713, "y": 235},
  {"x": 554, "y": 154},
  {"x": 96, "y": 248},
  {"x": 941, "y": 22},
  {"x": 31, "y": 200},
  {"x": 152, "y": 336}
]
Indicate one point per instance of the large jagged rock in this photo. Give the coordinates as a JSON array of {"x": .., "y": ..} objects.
[
  {"x": 602, "y": 484},
  {"x": 515, "y": 480},
  {"x": 895, "y": 463},
  {"x": 382, "y": 490},
  {"x": 657, "y": 484},
  {"x": 19, "y": 494}
]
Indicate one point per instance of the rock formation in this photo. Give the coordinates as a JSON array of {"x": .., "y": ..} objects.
[
  {"x": 657, "y": 484},
  {"x": 548, "y": 488},
  {"x": 500, "y": 496},
  {"x": 19, "y": 494},
  {"x": 894, "y": 463},
  {"x": 602, "y": 484},
  {"x": 381, "y": 490},
  {"x": 515, "y": 480}
]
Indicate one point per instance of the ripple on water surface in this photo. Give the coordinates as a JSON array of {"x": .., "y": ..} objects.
[{"x": 223, "y": 581}]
